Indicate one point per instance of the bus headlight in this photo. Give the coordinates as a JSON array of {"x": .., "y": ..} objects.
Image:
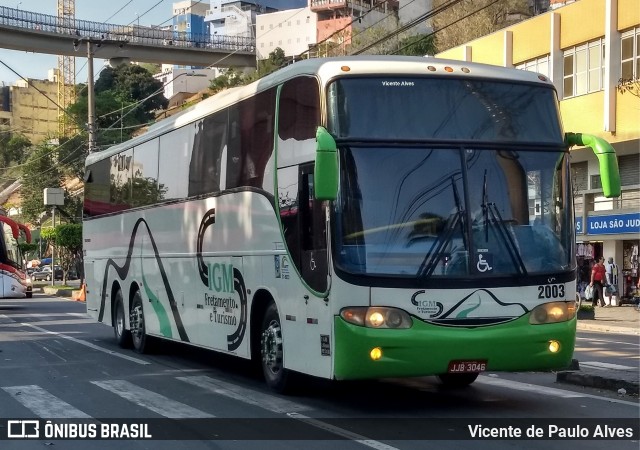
[
  {"x": 377, "y": 317},
  {"x": 552, "y": 313}
]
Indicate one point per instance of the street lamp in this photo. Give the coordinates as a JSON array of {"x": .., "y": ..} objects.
[{"x": 18, "y": 5}]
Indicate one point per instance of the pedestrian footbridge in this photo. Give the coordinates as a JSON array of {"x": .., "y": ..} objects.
[{"x": 42, "y": 33}]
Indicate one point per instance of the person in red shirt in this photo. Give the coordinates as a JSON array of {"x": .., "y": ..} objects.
[{"x": 598, "y": 277}]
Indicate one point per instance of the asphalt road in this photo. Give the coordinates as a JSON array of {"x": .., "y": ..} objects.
[{"x": 57, "y": 363}]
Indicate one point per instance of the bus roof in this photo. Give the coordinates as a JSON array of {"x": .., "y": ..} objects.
[{"x": 325, "y": 69}]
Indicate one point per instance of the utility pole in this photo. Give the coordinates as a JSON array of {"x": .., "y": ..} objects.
[{"x": 91, "y": 100}]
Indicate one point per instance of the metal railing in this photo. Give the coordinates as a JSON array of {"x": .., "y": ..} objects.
[{"x": 132, "y": 33}]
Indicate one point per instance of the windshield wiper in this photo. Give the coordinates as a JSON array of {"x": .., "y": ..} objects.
[
  {"x": 491, "y": 211},
  {"x": 430, "y": 261}
]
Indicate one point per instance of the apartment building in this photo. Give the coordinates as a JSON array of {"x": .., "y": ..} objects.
[
  {"x": 31, "y": 113},
  {"x": 293, "y": 30},
  {"x": 586, "y": 47},
  {"x": 340, "y": 21}
]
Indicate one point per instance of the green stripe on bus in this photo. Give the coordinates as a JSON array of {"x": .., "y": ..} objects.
[{"x": 161, "y": 313}]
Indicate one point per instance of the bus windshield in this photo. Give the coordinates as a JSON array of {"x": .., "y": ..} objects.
[
  {"x": 414, "y": 108},
  {"x": 452, "y": 212},
  {"x": 12, "y": 251}
]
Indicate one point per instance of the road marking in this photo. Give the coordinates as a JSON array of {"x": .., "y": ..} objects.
[
  {"x": 341, "y": 432},
  {"x": 89, "y": 344},
  {"x": 44, "y": 404},
  {"x": 605, "y": 366},
  {"x": 517, "y": 385},
  {"x": 608, "y": 341},
  {"x": 151, "y": 400},
  {"x": 255, "y": 398},
  {"x": 277, "y": 405}
]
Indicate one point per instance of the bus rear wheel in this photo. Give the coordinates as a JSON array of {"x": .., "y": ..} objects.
[
  {"x": 136, "y": 319},
  {"x": 271, "y": 351},
  {"x": 123, "y": 336},
  {"x": 457, "y": 380}
]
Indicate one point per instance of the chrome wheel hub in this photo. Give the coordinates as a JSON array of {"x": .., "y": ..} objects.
[{"x": 271, "y": 347}]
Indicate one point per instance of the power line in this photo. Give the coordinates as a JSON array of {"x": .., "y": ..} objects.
[
  {"x": 115, "y": 13},
  {"x": 410, "y": 24},
  {"x": 427, "y": 36}
]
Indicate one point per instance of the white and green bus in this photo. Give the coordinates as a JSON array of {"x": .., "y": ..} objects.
[{"x": 348, "y": 218}]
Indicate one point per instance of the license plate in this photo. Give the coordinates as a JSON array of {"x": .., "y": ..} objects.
[{"x": 472, "y": 366}]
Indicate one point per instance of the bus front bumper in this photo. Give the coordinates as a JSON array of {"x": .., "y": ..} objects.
[{"x": 427, "y": 349}]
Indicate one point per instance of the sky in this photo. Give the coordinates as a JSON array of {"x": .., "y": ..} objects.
[
  {"x": 150, "y": 12},
  {"x": 37, "y": 65}
]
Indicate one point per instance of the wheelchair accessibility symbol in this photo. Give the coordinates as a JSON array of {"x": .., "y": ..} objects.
[{"x": 483, "y": 265}]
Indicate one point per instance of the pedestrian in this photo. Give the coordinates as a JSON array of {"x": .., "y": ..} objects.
[
  {"x": 611, "y": 272},
  {"x": 598, "y": 278}
]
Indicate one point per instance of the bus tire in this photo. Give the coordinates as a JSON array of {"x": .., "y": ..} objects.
[
  {"x": 271, "y": 351},
  {"x": 136, "y": 320},
  {"x": 123, "y": 336},
  {"x": 457, "y": 380},
  {"x": 29, "y": 294}
]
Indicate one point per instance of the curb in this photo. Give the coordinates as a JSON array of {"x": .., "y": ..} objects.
[{"x": 609, "y": 383}]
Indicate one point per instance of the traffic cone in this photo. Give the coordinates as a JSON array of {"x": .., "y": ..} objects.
[{"x": 81, "y": 295}]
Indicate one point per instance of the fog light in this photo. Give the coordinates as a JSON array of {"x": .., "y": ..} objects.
[
  {"x": 554, "y": 346},
  {"x": 376, "y": 353}
]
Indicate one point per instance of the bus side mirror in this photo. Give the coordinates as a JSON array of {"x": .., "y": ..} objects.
[
  {"x": 609, "y": 172},
  {"x": 326, "y": 169}
]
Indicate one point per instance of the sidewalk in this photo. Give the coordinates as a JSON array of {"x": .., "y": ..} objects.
[{"x": 615, "y": 319}]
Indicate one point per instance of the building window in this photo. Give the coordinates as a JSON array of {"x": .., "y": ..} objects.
[
  {"x": 630, "y": 55},
  {"x": 289, "y": 23},
  {"x": 538, "y": 65},
  {"x": 262, "y": 45},
  {"x": 261, "y": 27},
  {"x": 583, "y": 69},
  {"x": 271, "y": 26}
]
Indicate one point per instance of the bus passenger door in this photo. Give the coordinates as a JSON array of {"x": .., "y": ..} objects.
[{"x": 313, "y": 234}]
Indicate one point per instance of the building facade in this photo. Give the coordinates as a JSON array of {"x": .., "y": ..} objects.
[
  {"x": 586, "y": 48},
  {"x": 33, "y": 114},
  {"x": 293, "y": 30}
]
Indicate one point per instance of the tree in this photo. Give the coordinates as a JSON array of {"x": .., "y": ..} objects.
[
  {"x": 275, "y": 61},
  {"x": 125, "y": 96},
  {"x": 39, "y": 172},
  {"x": 13, "y": 147},
  {"x": 229, "y": 79},
  {"x": 631, "y": 86},
  {"x": 484, "y": 17},
  {"x": 67, "y": 241},
  {"x": 417, "y": 45}
]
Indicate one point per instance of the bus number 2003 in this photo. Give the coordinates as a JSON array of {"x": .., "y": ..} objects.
[{"x": 551, "y": 291}]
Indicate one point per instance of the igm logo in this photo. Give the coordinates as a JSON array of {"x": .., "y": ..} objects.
[
  {"x": 220, "y": 277},
  {"x": 229, "y": 303}
]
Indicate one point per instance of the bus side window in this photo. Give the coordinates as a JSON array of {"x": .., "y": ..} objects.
[{"x": 251, "y": 127}]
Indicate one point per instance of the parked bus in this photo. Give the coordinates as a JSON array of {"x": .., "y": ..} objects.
[
  {"x": 13, "y": 279},
  {"x": 348, "y": 218}
]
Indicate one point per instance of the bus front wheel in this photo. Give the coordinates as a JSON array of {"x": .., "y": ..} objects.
[
  {"x": 271, "y": 351},
  {"x": 138, "y": 331},
  {"x": 457, "y": 380},
  {"x": 123, "y": 336}
]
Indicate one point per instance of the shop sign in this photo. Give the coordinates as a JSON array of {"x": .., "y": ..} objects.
[
  {"x": 614, "y": 224},
  {"x": 579, "y": 229}
]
